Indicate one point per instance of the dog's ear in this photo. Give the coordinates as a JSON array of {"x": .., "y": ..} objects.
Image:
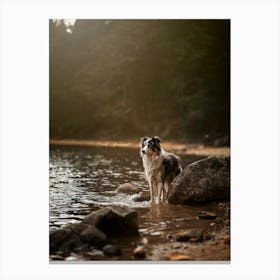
[
  {"x": 157, "y": 139},
  {"x": 143, "y": 139}
]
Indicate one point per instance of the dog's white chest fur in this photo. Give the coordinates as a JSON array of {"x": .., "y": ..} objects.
[{"x": 152, "y": 165}]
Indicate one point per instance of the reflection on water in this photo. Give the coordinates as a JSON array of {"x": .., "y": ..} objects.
[{"x": 83, "y": 179}]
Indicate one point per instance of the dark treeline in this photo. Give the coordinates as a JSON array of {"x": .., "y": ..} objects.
[{"x": 123, "y": 79}]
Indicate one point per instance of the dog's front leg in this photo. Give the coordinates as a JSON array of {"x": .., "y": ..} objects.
[
  {"x": 159, "y": 193},
  {"x": 152, "y": 197}
]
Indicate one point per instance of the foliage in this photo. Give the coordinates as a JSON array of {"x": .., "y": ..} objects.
[{"x": 123, "y": 79}]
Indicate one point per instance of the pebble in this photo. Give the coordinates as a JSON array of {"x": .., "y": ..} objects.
[
  {"x": 177, "y": 246},
  {"x": 144, "y": 241},
  {"x": 111, "y": 250},
  {"x": 139, "y": 252},
  {"x": 193, "y": 235},
  {"x": 207, "y": 215},
  {"x": 227, "y": 239},
  {"x": 178, "y": 257},
  {"x": 56, "y": 257},
  {"x": 127, "y": 188},
  {"x": 72, "y": 257}
]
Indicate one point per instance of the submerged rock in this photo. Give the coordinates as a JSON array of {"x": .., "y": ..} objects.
[
  {"x": 206, "y": 215},
  {"x": 203, "y": 181},
  {"x": 111, "y": 250},
  {"x": 140, "y": 197},
  {"x": 128, "y": 188},
  {"x": 114, "y": 221}
]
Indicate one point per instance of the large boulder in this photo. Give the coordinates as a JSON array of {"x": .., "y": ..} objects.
[
  {"x": 203, "y": 181},
  {"x": 114, "y": 221}
]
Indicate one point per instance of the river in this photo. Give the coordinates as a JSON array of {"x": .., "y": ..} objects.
[{"x": 84, "y": 179}]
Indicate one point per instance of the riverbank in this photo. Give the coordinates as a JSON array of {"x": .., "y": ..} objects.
[{"x": 180, "y": 148}]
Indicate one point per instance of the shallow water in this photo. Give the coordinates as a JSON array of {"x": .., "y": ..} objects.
[{"x": 83, "y": 179}]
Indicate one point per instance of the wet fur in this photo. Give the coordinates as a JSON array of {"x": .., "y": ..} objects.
[{"x": 160, "y": 167}]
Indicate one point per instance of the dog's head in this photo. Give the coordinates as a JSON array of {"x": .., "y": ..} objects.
[{"x": 150, "y": 146}]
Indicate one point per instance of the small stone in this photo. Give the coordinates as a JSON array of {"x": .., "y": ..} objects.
[
  {"x": 177, "y": 246},
  {"x": 56, "y": 258},
  {"x": 227, "y": 239},
  {"x": 193, "y": 235},
  {"x": 144, "y": 241},
  {"x": 94, "y": 253},
  {"x": 73, "y": 257},
  {"x": 139, "y": 252},
  {"x": 212, "y": 224},
  {"x": 128, "y": 188},
  {"x": 140, "y": 197},
  {"x": 169, "y": 236},
  {"x": 111, "y": 250},
  {"x": 178, "y": 257},
  {"x": 207, "y": 215}
]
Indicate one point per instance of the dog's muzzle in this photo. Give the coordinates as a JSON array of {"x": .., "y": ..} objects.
[{"x": 143, "y": 151}]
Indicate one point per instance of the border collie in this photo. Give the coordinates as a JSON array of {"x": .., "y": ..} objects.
[{"x": 160, "y": 167}]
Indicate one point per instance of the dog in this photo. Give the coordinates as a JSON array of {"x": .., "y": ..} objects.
[{"x": 160, "y": 167}]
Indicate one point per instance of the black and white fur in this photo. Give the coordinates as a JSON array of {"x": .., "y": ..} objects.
[{"x": 160, "y": 167}]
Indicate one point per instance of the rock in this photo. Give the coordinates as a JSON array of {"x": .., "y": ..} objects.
[
  {"x": 206, "y": 215},
  {"x": 227, "y": 239},
  {"x": 111, "y": 250},
  {"x": 56, "y": 258},
  {"x": 92, "y": 235},
  {"x": 128, "y": 188},
  {"x": 93, "y": 254},
  {"x": 57, "y": 237},
  {"x": 142, "y": 196},
  {"x": 114, "y": 221},
  {"x": 177, "y": 246},
  {"x": 144, "y": 241},
  {"x": 203, "y": 181},
  {"x": 178, "y": 257},
  {"x": 73, "y": 257},
  {"x": 139, "y": 252},
  {"x": 64, "y": 241},
  {"x": 75, "y": 236},
  {"x": 193, "y": 235}
]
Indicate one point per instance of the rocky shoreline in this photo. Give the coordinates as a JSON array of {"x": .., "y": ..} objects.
[{"x": 114, "y": 232}]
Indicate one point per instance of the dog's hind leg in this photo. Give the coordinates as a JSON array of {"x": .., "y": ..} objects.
[{"x": 165, "y": 192}]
